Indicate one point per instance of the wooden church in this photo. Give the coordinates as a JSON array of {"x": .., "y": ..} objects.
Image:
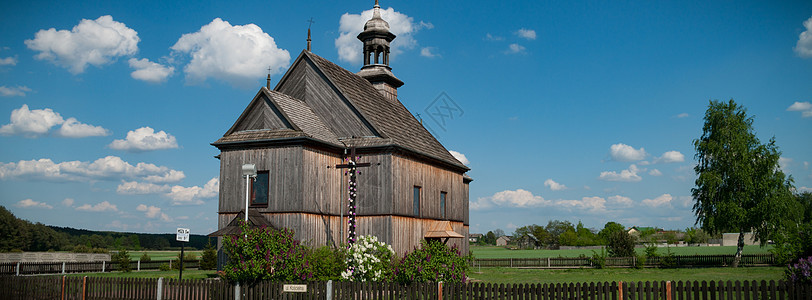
[{"x": 301, "y": 132}]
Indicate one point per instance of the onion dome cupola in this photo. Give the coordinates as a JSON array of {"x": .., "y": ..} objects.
[{"x": 376, "y": 38}]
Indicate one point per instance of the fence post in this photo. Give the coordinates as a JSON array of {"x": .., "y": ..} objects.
[
  {"x": 139, "y": 265},
  {"x": 511, "y": 262},
  {"x": 329, "y": 290},
  {"x": 668, "y": 290},
  {"x": 548, "y": 262},
  {"x": 104, "y": 264},
  {"x": 18, "y": 268},
  {"x": 63, "y": 267},
  {"x": 159, "y": 293},
  {"x": 84, "y": 288},
  {"x": 440, "y": 290},
  {"x": 237, "y": 291},
  {"x": 62, "y": 296},
  {"x": 620, "y": 290},
  {"x": 634, "y": 261}
]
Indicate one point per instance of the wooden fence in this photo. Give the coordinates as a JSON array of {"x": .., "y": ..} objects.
[
  {"x": 32, "y": 268},
  {"x": 676, "y": 261},
  {"x": 87, "y": 288}
]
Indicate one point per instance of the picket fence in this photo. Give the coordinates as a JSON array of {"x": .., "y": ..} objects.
[
  {"x": 88, "y": 288},
  {"x": 32, "y": 268},
  {"x": 676, "y": 261}
]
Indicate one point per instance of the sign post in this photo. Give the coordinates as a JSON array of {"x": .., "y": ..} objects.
[{"x": 183, "y": 237}]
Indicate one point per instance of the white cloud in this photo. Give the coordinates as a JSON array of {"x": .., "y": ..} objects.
[
  {"x": 145, "y": 139},
  {"x": 784, "y": 162},
  {"x": 459, "y": 156},
  {"x": 490, "y": 37},
  {"x": 664, "y": 199},
  {"x": 192, "y": 195},
  {"x": 150, "y": 71},
  {"x": 529, "y": 34},
  {"x": 28, "y": 203},
  {"x": 13, "y": 91},
  {"x": 350, "y": 25},
  {"x": 74, "y": 129},
  {"x": 805, "y": 189},
  {"x": 623, "y": 152},
  {"x": 683, "y": 115},
  {"x": 170, "y": 176},
  {"x": 555, "y": 186},
  {"x": 804, "y": 107},
  {"x": 655, "y": 172},
  {"x": 213, "y": 53},
  {"x": 592, "y": 204},
  {"x": 8, "y": 61},
  {"x": 804, "y": 45},
  {"x": 37, "y": 122},
  {"x": 31, "y": 123},
  {"x": 106, "y": 168},
  {"x": 141, "y": 188},
  {"x": 153, "y": 212},
  {"x": 628, "y": 175},
  {"x": 429, "y": 52},
  {"x": 95, "y": 42},
  {"x": 68, "y": 202},
  {"x": 103, "y": 206},
  {"x": 515, "y": 49},
  {"x": 517, "y": 198},
  {"x": 620, "y": 201},
  {"x": 670, "y": 157}
]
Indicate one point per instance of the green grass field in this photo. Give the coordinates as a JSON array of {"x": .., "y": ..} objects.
[
  {"x": 161, "y": 255},
  {"x": 187, "y": 274},
  {"x": 508, "y": 275},
  {"x": 501, "y": 252}
]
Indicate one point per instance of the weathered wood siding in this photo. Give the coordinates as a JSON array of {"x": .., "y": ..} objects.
[
  {"x": 323, "y": 99},
  {"x": 284, "y": 165},
  {"x": 408, "y": 173}
]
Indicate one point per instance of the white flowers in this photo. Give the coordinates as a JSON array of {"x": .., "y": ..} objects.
[{"x": 369, "y": 260}]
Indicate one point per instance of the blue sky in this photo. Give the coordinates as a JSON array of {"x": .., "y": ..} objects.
[{"x": 569, "y": 110}]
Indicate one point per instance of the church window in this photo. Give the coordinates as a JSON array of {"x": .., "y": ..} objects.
[
  {"x": 442, "y": 204},
  {"x": 259, "y": 190},
  {"x": 416, "y": 203}
]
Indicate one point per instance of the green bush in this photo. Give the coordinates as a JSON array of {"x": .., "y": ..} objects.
[
  {"x": 122, "y": 259},
  {"x": 641, "y": 261},
  {"x": 328, "y": 263},
  {"x": 188, "y": 257},
  {"x": 145, "y": 257},
  {"x": 208, "y": 261},
  {"x": 599, "y": 259},
  {"x": 164, "y": 267},
  {"x": 651, "y": 250},
  {"x": 433, "y": 262},
  {"x": 265, "y": 254},
  {"x": 369, "y": 260},
  {"x": 621, "y": 244},
  {"x": 668, "y": 261}
]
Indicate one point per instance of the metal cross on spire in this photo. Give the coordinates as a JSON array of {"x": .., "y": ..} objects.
[{"x": 311, "y": 22}]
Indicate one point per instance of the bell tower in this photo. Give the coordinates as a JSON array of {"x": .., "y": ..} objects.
[{"x": 376, "y": 38}]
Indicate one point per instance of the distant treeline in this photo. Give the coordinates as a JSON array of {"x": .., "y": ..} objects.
[{"x": 22, "y": 235}]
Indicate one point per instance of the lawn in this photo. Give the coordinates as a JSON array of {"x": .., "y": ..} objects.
[
  {"x": 501, "y": 252},
  {"x": 187, "y": 274},
  {"x": 508, "y": 275},
  {"x": 161, "y": 255}
]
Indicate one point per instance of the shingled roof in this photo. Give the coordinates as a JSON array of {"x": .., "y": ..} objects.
[{"x": 392, "y": 123}]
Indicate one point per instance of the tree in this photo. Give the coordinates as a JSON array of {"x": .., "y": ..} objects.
[
  {"x": 739, "y": 185},
  {"x": 555, "y": 229},
  {"x": 608, "y": 229},
  {"x": 208, "y": 260},
  {"x": 620, "y": 244},
  {"x": 538, "y": 233},
  {"x": 794, "y": 240}
]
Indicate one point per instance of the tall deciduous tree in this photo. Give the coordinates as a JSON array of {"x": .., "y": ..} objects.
[{"x": 739, "y": 185}]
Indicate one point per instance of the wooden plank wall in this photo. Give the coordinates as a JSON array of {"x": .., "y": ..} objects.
[
  {"x": 262, "y": 115},
  {"x": 408, "y": 173},
  {"x": 285, "y": 171}
]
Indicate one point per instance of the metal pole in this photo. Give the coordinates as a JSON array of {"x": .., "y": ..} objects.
[
  {"x": 247, "y": 194},
  {"x": 180, "y": 274}
]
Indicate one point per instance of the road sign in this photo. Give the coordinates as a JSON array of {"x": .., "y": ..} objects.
[{"x": 183, "y": 235}]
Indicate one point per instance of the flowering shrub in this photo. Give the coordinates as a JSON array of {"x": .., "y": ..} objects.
[
  {"x": 265, "y": 254},
  {"x": 368, "y": 260},
  {"x": 801, "y": 271},
  {"x": 433, "y": 262},
  {"x": 328, "y": 262}
]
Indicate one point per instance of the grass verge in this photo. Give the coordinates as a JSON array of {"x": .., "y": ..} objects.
[{"x": 510, "y": 275}]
